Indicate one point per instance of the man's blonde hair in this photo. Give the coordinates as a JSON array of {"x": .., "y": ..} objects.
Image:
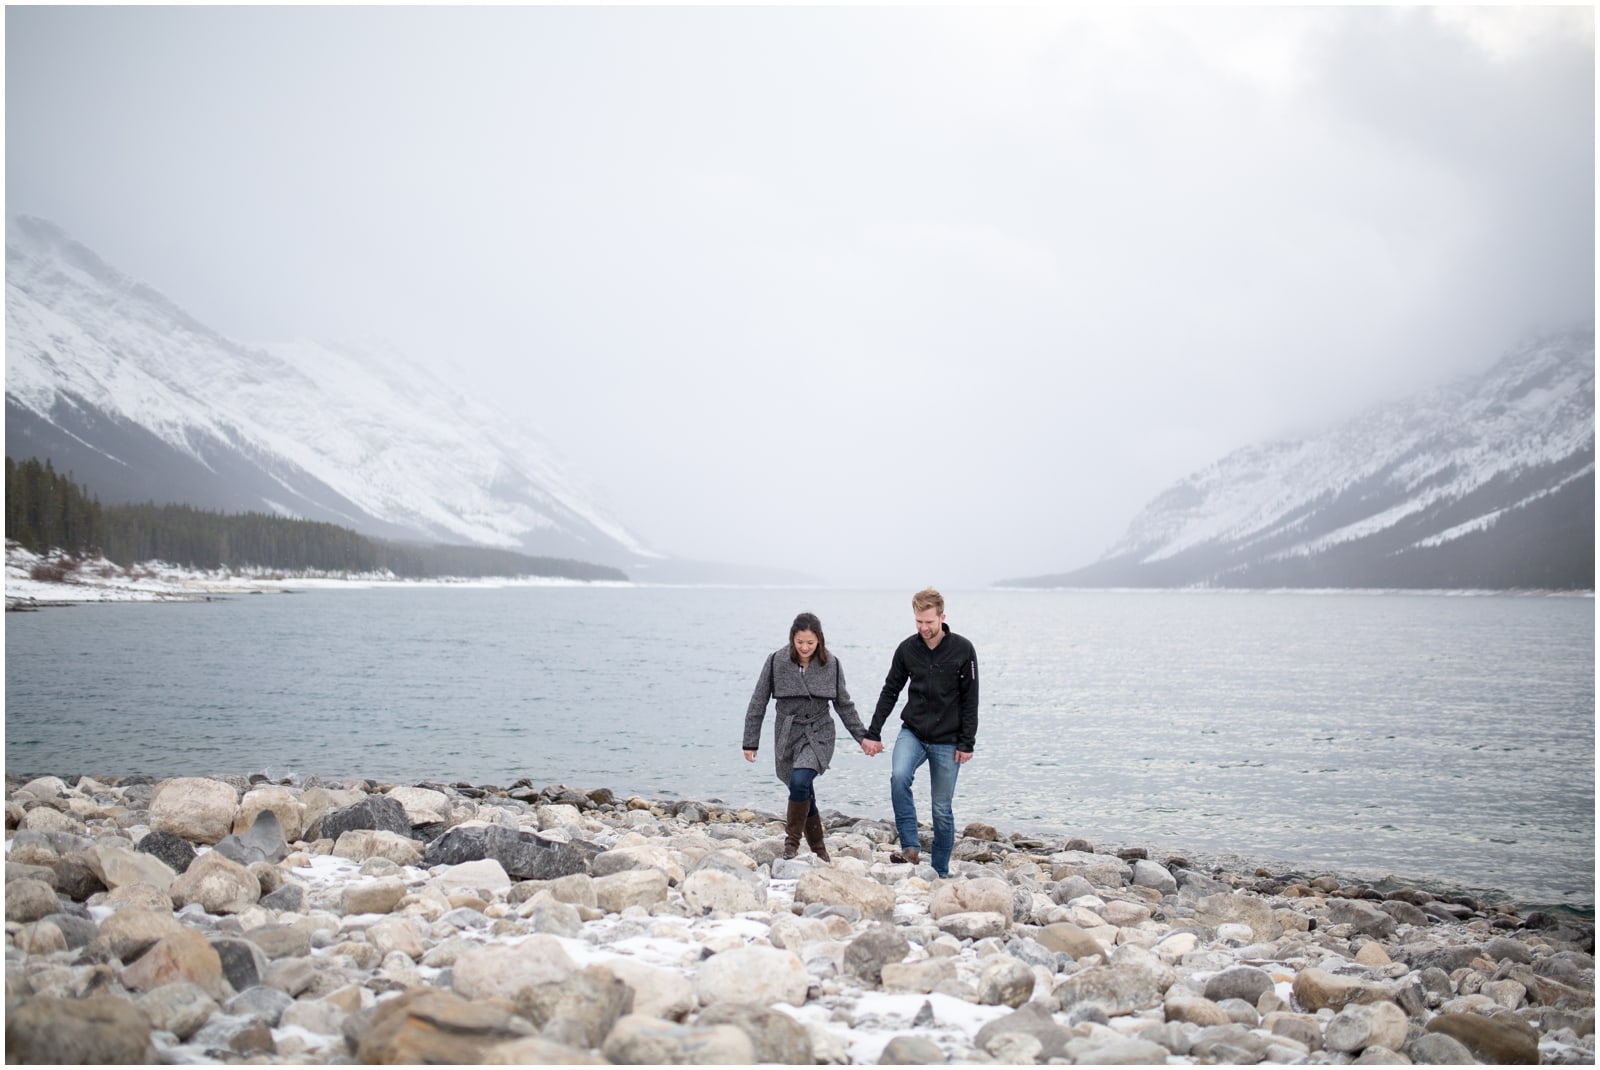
[{"x": 927, "y": 598}]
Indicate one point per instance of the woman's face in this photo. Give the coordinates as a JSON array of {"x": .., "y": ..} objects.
[{"x": 805, "y": 644}]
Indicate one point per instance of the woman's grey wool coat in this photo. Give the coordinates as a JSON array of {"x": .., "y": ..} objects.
[{"x": 803, "y": 726}]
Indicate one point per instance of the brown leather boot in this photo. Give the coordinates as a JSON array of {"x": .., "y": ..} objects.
[
  {"x": 814, "y": 835},
  {"x": 793, "y": 824}
]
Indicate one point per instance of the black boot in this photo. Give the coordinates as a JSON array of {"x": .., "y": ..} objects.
[
  {"x": 794, "y": 823},
  {"x": 813, "y": 829}
]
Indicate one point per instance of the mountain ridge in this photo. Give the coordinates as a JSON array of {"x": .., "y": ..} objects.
[
  {"x": 1484, "y": 482},
  {"x": 140, "y": 400}
]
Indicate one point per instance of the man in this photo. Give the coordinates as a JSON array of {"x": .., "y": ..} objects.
[{"x": 939, "y": 724}]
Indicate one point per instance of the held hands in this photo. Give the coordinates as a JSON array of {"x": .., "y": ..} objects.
[{"x": 871, "y": 747}]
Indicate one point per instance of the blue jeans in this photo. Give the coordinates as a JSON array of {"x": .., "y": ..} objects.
[
  {"x": 800, "y": 789},
  {"x": 909, "y": 753}
]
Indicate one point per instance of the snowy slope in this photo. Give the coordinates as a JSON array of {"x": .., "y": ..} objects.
[
  {"x": 141, "y": 402},
  {"x": 1487, "y": 482}
]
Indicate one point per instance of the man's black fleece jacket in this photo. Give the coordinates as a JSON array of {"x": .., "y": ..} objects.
[{"x": 942, "y": 706}]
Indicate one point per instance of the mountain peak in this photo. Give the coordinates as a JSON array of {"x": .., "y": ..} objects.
[
  {"x": 1484, "y": 482},
  {"x": 141, "y": 402}
]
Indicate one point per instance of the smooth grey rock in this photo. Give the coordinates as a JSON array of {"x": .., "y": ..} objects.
[
  {"x": 1147, "y": 874},
  {"x": 1439, "y": 1049},
  {"x": 289, "y": 897},
  {"x": 911, "y": 1051},
  {"x": 866, "y": 955},
  {"x": 1004, "y": 982},
  {"x": 279, "y": 941},
  {"x": 1248, "y": 983},
  {"x": 260, "y": 1002},
  {"x": 1070, "y": 888},
  {"x": 556, "y": 918},
  {"x": 1032, "y": 1020},
  {"x": 1502, "y": 948},
  {"x": 262, "y": 842},
  {"x": 29, "y": 900},
  {"x": 776, "y": 1037},
  {"x": 78, "y": 932},
  {"x": 1362, "y": 917},
  {"x": 1502, "y": 1038}
]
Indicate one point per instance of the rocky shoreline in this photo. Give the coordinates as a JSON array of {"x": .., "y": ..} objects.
[{"x": 230, "y": 919}]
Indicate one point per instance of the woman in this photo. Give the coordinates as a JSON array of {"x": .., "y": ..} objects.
[{"x": 804, "y": 678}]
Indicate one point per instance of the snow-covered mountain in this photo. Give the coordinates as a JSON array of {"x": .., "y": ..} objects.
[
  {"x": 117, "y": 385},
  {"x": 1483, "y": 483}
]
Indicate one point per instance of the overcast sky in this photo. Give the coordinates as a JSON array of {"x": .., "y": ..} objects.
[{"x": 893, "y": 296}]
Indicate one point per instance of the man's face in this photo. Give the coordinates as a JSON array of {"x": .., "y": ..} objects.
[{"x": 928, "y": 624}]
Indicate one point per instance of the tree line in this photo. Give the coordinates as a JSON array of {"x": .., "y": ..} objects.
[{"x": 47, "y": 511}]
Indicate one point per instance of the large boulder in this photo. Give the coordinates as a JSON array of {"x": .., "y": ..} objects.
[
  {"x": 183, "y": 956},
  {"x": 435, "y": 1026},
  {"x": 504, "y": 970},
  {"x": 423, "y": 806},
  {"x": 199, "y": 809},
  {"x": 29, "y": 900},
  {"x": 877, "y": 946},
  {"x": 776, "y": 1037},
  {"x": 523, "y": 855},
  {"x": 372, "y": 812},
  {"x": 983, "y": 894},
  {"x": 97, "y": 1030},
  {"x": 289, "y": 810},
  {"x": 118, "y": 866},
  {"x": 834, "y": 887},
  {"x": 358, "y": 845},
  {"x": 218, "y": 884},
  {"x": 707, "y": 891},
  {"x": 617, "y": 892},
  {"x": 580, "y": 1009},
  {"x": 1366, "y": 1025},
  {"x": 1030, "y": 1020},
  {"x": 1499, "y": 1038},
  {"x": 657, "y": 991},
  {"x": 1135, "y": 980},
  {"x": 133, "y": 930},
  {"x": 639, "y": 856},
  {"x": 638, "y": 1040},
  {"x": 753, "y": 974},
  {"x": 1316, "y": 988},
  {"x": 1234, "y": 907}
]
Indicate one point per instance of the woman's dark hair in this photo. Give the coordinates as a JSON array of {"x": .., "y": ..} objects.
[{"x": 808, "y": 622}]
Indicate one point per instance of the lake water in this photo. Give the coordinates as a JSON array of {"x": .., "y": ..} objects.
[{"x": 1446, "y": 740}]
